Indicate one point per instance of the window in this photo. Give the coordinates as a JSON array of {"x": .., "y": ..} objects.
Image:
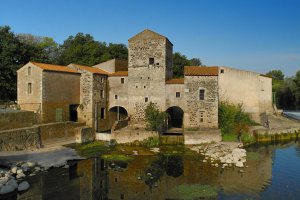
[
  {"x": 157, "y": 63},
  {"x": 29, "y": 71},
  {"x": 151, "y": 61},
  {"x": 102, "y": 113},
  {"x": 144, "y": 86},
  {"x": 136, "y": 86},
  {"x": 116, "y": 96},
  {"x": 102, "y": 94},
  {"x": 122, "y": 80},
  {"x": 222, "y": 71},
  {"x": 177, "y": 94},
  {"x": 148, "y": 78},
  {"x": 201, "y": 94},
  {"x": 29, "y": 88},
  {"x": 58, "y": 114},
  {"x": 201, "y": 116},
  {"x": 146, "y": 99}
]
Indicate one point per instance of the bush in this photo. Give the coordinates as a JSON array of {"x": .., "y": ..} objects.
[
  {"x": 151, "y": 142},
  {"x": 233, "y": 119},
  {"x": 156, "y": 120}
]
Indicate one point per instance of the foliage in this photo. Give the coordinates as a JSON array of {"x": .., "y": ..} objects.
[
  {"x": 229, "y": 137},
  {"x": 195, "y": 191},
  {"x": 232, "y": 119},
  {"x": 287, "y": 90},
  {"x": 92, "y": 149},
  {"x": 180, "y": 60},
  {"x": 247, "y": 138},
  {"x": 156, "y": 120},
  {"x": 151, "y": 142},
  {"x": 117, "y": 157}
]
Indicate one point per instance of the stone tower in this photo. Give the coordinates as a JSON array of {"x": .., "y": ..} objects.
[{"x": 149, "y": 66}]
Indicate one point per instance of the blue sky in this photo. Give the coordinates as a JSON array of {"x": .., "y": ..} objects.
[{"x": 257, "y": 35}]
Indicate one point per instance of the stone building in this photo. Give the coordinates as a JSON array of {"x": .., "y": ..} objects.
[
  {"x": 119, "y": 90},
  {"x": 51, "y": 90}
]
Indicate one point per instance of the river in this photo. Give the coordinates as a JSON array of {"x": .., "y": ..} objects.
[{"x": 272, "y": 172}]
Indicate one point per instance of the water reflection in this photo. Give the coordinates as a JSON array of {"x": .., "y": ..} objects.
[{"x": 156, "y": 177}]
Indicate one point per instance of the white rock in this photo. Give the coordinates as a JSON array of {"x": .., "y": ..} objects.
[
  {"x": 31, "y": 164},
  {"x": 33, "y": 174},
  {"x": 20, "y": 175},
  {"x": 37, "y": 169},
  {"x": 13, "y": 183},
  {"x": 239, "y": 164},
  {"x": 14, "y": 170},
  {"x": 23, "y": 186},
  {"x": 3, "y": 180},
  {"x": 6, "y": 189},
  {"x": 19, "y": 171}
]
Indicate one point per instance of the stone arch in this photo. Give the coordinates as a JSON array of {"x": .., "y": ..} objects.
[
  {"x": 117, "y": 113},
  {"x": 175, "y": 117}
]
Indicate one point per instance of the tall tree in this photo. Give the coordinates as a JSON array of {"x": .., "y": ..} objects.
[{"x": 180, "y": 60}]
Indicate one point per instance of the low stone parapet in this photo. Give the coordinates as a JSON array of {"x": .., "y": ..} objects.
[
  {"x": 202, "y": 136},
  {"x": 84, "y": 134}
]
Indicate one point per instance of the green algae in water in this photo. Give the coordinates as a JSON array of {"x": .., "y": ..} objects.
[
  {"x": 92, "y": 149},
  {"x": 117, "y": 157},
  {"x": 253, "y": 156},
  {"x": 195, "y": 191}
]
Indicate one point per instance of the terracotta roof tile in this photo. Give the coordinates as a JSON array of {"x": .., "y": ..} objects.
[
  {"x": 201, "y": 71},
  {"x": 175, "y": 81},
  {"x": 91, "y": 69},
  {"x": 119, "y": 73},
  {"x": 57, "y": 68}
]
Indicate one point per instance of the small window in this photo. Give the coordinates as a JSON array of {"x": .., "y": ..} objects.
[
  {"x": 102, "y": 94},
  {"x": 29, "y": 71},
  {"x": 122, "y": 80},
  {"x": 116, "y": 96},
  {"x": 201, "y": 116},
  {"x": 144, "y": 86},
  {"x": 122, "y": 196},
  {"x": 157, "y": 63},
  {"x": 102, "y": 113},
  {"x": 201, "y": 94},
  {"x": 151, "y": 61},
  {"x": 146, "y": 99},
  {"x": 29, "y": 88},
  {"x": 148, "y": 77},
  {"x": 116, "y": 179},
  {"x": 136, "y": 86},
  {"x": 177, "y": 94},
  {"x": 222, "y": 71},
  {"x": 58, "y": 114}
]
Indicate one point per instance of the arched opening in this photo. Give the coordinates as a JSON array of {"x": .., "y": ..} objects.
[
  {"x": 175, "y": 117},
  {"x": 117, "y": 113}
]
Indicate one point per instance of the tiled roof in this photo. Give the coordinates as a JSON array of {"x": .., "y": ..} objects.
[
  {"x": 201, "y": 71},
  {"x": 119, "y": 73},
  {"x": 175, "y": 81},
  {"x": 57, "y": 68},
  {"x": 91, "y": 69}
]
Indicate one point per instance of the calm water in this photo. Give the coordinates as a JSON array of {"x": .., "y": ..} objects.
[{"x": 273, "y": 172}]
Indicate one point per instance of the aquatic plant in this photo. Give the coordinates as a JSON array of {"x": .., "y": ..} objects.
[
  {"x": 150, "y": 142},
  {"x": 117, "y": 157},
  {"x": 195, "y": 191}
]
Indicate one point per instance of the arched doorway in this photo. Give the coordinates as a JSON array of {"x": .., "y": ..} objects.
[
  {"x": 175, "y": 117},
  {"x": 117, "y": 113}
]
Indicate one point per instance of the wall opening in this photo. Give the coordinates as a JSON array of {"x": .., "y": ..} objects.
[
  {"x": 117, "y": 113},
  {"x": 175, "y": 117},
  {"x": 73, "y": 112}
]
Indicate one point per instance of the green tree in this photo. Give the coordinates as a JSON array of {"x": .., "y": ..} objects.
[
  {"x": 119, "y": 51},
  {"x": 156, "y": 120},
  {"x": 180, "y": 60},
  {"x": 276, "y": 74}
]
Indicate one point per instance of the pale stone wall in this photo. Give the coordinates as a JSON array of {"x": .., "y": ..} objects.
[
  {"x": 171, "y": 99},
  {"x": 115, "y": 87},
  {"x": 60, "y": 90},
  {"x": 128, "y": 135},
  {"x": 145, "y": 80},
  {"x": 113, "y": 65},
  {"x": 250, "y": 89},
  {"x": 31, "y": 102},
  {"x": 196, "y": 109}
]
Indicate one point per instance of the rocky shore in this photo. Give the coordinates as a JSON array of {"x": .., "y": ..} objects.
[{"x": 222, "y": 154}]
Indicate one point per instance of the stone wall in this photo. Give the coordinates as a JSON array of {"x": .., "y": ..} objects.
[
  {"x": 146, "y": 82},
  {"x": 113, "y": 65},
  {"x": 115, "y": 87},
  {"x": 171, "y": 99},
  {"x": 200, "y": 137},
  {"x": 84, "y": 134},
  {"x": 26, "y": 101},
  {"x": 11, "y": 119},
  {"x": 250, "y": 89},
  {"x": 128, "y": 135},
  {"x": 60, "y": 90},
  {"x": 20, "y": 139},
  {"x": 201, "y": 113}
]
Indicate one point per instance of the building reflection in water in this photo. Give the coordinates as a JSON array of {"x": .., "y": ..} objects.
[{"x": 148, "y": 177}]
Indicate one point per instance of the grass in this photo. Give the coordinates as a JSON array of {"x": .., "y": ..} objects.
[
  {"x": 229, "y": 137},
  {"x": 91, "y": 149},
  {"x": 117, "y": 157}
]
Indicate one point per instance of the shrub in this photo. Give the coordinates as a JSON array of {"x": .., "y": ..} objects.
[
  {"x": 233, "y": 119},
  {"x": 156, "y": 120},
  {"x": 151, "y": 142}
]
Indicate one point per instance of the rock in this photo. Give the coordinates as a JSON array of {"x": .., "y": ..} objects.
[
  {"x": 14, "y": 170},
  {"x": 135, "y": 152},
  {"x": 66, "y": 166},
  {"x": 204, "y": 161},
  {"x": 239, "y": 164},
  {"x": 241, "y": 171},
  {"x": 31, "y": 164},
  {"x": 37, "y": 169},
  {"x": 20, "y": 175},
  {"x": 25, "y": 167},
  {"x": 13, "y": 183},
  {"x": 19, "y": 171},
  {"x": 23, "y": 186},
  {"x": 139, "y": 178},
  {"x": 6, "y": 189},
  {"x": 33, "y": 174},
  {"x": 3, "y": 180},
  {"x": 149, "y": 174}
]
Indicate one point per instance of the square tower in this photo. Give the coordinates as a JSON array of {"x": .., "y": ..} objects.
[{"x": 149, "y": 66}]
